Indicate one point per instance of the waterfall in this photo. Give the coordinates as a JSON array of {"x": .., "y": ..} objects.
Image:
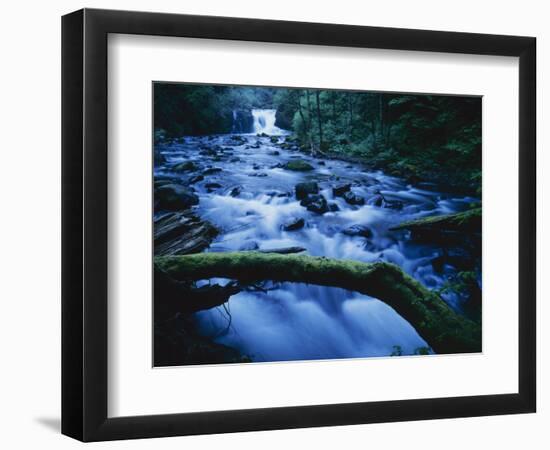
[
  {"x": 264, "y": 122},
  {"x": 234, "y": 127}
]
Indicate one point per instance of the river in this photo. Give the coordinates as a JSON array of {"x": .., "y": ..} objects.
[{"x": 252, "y": 198}]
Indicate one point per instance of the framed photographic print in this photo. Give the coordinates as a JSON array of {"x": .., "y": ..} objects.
[{"x": 273, "y": 224}]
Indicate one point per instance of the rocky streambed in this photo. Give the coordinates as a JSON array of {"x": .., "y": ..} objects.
[{"x": 260, "y": 192}]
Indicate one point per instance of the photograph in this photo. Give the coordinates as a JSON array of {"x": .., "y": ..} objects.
[{"x": 300, "y": 224}]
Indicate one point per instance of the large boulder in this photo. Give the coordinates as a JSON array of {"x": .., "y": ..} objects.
[
  {"x": 175, "y": 197},
  {"x": 298, "y": 166},
  {"x": 315, "y": 203},
  {"x": 305, "y": 189}
]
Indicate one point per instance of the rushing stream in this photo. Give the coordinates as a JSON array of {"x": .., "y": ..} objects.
[{"x": 251, "y": 198}]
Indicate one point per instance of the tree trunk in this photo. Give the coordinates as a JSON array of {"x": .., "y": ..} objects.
[
  {"x": 319, "y": 120},
  {"x": 380, "y": 115},
  {"x": 309, "y": 117},
  {"x": 443, "y": 329},
  {"x": 302, "y": 113},
  {"x": 350, "y": 111}
]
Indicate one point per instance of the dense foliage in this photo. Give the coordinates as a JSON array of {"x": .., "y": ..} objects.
[{"x": 419, "y": 137}]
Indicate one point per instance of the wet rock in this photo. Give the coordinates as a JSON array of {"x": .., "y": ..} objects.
[
  {"x": 393, "y": 204},
  {"x": 298, "y": 166},
  {"x": 315, "y": 203},
  {"x": 305, "y": 189},
  {"x": 358, "y": 230},
  {"x": 333, "y": 207},
  {"x": 262, "y": 135},
  {"x": 212, "y": 186},
  {"x": 274, "y": 139},
  {"x": 376, "y": 200},
  {"x": 196, "y": 179},
  {"x": 258, "y": 174},
  {"x": 175, "y": 197},
  {"x": 207, "y": 151},
  {"x": 239, "y": 140},
  {"x": 256, "y": 167},
  {"x": 353, "y": 199},
  {"x": 249, "y": 246},
  {"x": 293, "y": 224},
  {"x": 211, "y": 170},
  {"x": 235, "y": 159},
  {"x": 182, "y": 233},
  {"x": 187, "y": 166},
  {"x": 236, "y": 191},
  {"x": 162, "y": 182},
  {"x": 321, "y": 163},
  {"x": 274, "y": 153},
  {"x": 341, "y": 189}
]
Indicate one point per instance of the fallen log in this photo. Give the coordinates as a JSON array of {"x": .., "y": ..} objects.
[
  {"x": 464, "y": 222},
  {"x": 443, "y": 329}
]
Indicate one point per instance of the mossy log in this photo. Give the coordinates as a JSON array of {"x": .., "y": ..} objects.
[
  {"x": 443, "y": 329},
  {"x": 465, "y": 222}
]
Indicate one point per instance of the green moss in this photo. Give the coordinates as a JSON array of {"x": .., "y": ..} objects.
[
  {"x": 463, "y": 221},
  {"x": 298, "y": 166}
]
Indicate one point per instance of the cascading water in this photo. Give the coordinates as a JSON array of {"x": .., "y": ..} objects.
[
  {"x": 235, "y": 117},
  {"x": 293, "y": 321},
  {"x": 264, "y": 122}
]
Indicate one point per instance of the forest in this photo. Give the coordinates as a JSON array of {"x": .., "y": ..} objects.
[{"x": 417, "y": 137}]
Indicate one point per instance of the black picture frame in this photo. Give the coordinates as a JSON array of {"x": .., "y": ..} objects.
[{"x": 84, "y": 224}]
